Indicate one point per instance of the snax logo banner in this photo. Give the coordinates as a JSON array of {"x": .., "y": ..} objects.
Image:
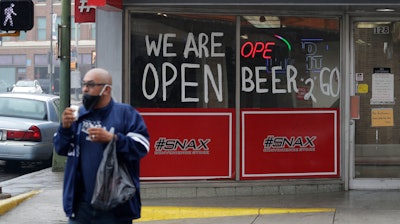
[
  {"x": 189, "y": 144},
  {"x": 290, "y": 143}
]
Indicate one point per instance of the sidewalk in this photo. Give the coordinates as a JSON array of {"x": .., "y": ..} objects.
[{"x": 36, "y": 198}]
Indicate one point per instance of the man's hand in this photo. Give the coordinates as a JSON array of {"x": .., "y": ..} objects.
[
  {"x": 99, "y": 135},
  {"x": 67, "y": 117}
]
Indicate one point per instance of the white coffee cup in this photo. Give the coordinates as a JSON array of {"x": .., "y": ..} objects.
[{"x": 75, "y": 108}]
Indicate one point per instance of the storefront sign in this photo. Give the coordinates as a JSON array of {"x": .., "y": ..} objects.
[
  {"x": 253, "y": 81},
  {"x": 84, "y": 13},
  {"x": 209, "y": 46},
  {"x": 189, "y": 145},
  {"x": 106, "y": 4},
  {"x": 85, "y": 10},
  {"x": 290, "y": 143},
  {"x": 250, "y": 49}
]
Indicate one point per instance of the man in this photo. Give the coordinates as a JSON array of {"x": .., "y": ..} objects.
[{"x": 83, "y": 140}]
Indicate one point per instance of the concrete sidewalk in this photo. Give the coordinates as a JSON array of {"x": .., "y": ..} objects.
[
  {"x": 36, "y": 198},
  {"x": 41, "y": 201}
]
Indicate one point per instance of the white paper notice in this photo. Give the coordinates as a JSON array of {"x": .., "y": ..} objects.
[{"x": 382, "y": 88}]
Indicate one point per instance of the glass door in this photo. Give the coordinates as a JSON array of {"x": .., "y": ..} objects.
[{"x": 376, "y": 155}]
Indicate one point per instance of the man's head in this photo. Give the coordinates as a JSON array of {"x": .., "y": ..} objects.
[{"x": 96, "y": 88}]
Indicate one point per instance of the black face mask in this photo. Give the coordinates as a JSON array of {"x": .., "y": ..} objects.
[{"x": 89, "y": 101}]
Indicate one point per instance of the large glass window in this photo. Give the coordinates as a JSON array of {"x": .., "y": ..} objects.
[
  {"x": 182, "y": 61},
  {"x": 15, "y": 59},
  {"x": 289, "y": 62},
  {"x": 41, "y": 28}
]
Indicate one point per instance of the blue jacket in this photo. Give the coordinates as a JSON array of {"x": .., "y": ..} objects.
[{"x": 132, "y": 145}]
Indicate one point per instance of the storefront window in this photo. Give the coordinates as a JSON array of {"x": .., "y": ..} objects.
[
  {"x": 289, "y": 62},
  {"x": 187, "y": 72},
  {"x": 188, "y": 61},
  {"x": 182, "y": 61}
]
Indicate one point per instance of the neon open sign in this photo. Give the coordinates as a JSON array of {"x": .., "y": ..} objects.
[{"x": 250, "y": 49}]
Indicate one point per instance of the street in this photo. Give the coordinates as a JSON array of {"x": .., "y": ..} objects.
[{"x": 12, "y": 173}]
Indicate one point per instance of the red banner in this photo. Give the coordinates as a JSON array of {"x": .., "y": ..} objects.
[
  {"x": 84, "y": 13},
  {"x": 106, "y": 4},
  {"x": 186, "y": 144},
  {"x": 290, "y": 144}
]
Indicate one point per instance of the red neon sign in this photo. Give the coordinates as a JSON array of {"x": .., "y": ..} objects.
[{"x": 250, "y": 49}]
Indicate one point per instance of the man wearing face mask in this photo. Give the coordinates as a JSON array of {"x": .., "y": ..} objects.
[{"x": 82, "y": 139}]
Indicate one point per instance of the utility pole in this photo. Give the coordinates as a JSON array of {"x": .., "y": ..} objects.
[
  {"x": 50, "y": 69},
  {"x": 64, "y": 44}
]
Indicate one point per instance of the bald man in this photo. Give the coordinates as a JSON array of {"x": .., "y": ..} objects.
[{"x": 83, "y": 140}]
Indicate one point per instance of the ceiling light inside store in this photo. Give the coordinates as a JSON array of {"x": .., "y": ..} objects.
[
  {"x": 264, "y": 21},
  {"x": 369, "y": 25},
  {"x": 385, "y": 10}
]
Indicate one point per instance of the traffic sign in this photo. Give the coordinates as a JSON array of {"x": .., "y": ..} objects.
[{"x": 16, "y": 15}]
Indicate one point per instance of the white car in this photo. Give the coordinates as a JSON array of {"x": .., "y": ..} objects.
[
  {"x": 4, "y": 86},
  {"x": 27, "y": 86}
]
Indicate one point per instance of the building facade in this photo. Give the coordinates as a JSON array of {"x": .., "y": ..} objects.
[{"x": 258, "y": 97}]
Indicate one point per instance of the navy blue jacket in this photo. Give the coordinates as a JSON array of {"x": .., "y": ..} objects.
[{"x": 132, "y": 145}]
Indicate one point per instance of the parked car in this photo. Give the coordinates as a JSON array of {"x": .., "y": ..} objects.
[
  {"x": 27, "y": 86},
  {"x": 27, "y": 125}
]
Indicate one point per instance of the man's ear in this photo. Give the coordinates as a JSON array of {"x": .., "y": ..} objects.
[{"x": 108, "y": 90}]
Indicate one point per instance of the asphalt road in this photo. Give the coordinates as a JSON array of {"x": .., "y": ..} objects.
[{"x": 24, "y": 169}]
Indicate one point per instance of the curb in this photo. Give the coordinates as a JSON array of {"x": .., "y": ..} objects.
[
  {"x": 159, "y": 213},
  {"x": 10, "y": 203}
]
